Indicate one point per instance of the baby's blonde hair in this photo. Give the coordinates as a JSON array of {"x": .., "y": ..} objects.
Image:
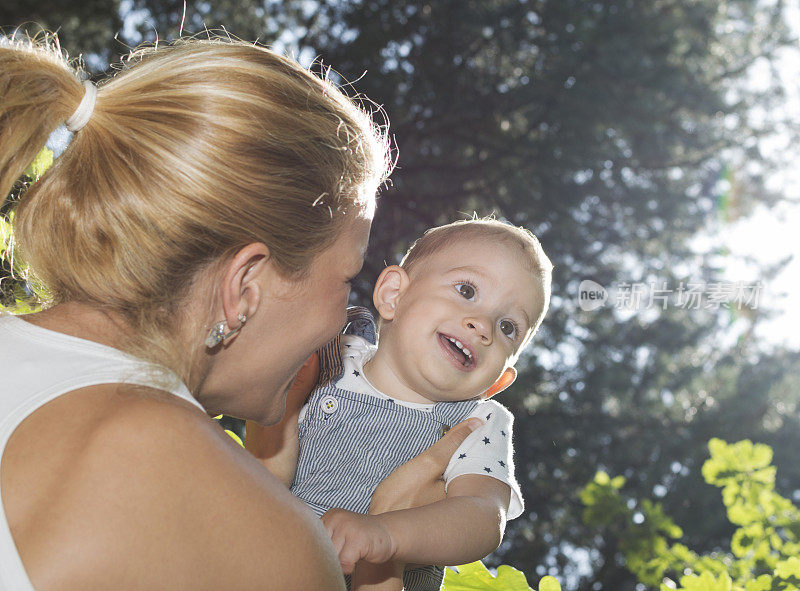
[
  {"x": 529, "y": 249},
  {"x": 195, "y": 149}
]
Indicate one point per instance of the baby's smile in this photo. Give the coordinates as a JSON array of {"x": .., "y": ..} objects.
[{"x": 458, "y": 351}]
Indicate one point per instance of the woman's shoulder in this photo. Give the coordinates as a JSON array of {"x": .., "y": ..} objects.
[
  {"x": 202, "y": 500},
  {"x": 157, "y": 491}
]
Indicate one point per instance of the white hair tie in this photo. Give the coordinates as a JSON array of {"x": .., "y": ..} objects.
[{"x": 83, "y": 113}]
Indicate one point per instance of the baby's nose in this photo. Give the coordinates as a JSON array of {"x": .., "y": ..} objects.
[{"x": 481, "y": 327}]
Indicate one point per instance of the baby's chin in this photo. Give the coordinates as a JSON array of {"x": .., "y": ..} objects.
[{"x": 461, "y": 396}]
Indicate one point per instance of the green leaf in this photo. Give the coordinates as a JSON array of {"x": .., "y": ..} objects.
[
  {"x": 476, "y": 577},
  {"x": 5, "y": 234},
  {"x": 235, "y": 437},
  {"x": 618, "y": 482},
  {"x": 602, "y": 478},
  {"x": 549, "y": 584},
  {"x": 788, "y": 568},
  {"x": 745, "y": 538},
  {"x": 706, "y": 582},
  {"x": 762, "y": 583},
  {"x": 40, "y": 164}
]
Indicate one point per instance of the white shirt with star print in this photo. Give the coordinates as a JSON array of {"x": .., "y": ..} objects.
[{"x": 488, "y": 451}]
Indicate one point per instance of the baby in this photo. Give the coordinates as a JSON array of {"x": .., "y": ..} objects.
[{"x": 454, "y": 316}]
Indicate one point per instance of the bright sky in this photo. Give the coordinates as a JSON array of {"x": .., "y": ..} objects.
[{"x": 771, "y": 235}]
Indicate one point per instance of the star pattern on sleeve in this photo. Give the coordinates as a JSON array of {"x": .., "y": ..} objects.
[
  {"x": 355, "y": 373},
  {"x": 486, "y": 453}
]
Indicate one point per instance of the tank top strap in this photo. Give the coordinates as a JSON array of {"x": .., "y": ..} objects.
[{"x": 40, "y": 365}]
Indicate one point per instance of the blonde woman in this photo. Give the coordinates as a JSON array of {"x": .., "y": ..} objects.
[{"x": 196, "y": 237}]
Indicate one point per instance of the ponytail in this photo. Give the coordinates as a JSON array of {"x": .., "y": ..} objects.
[{"x": 39, "y": 90}]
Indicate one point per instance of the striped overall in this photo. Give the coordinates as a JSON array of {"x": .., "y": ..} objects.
[{"x": 350, "y": 442}]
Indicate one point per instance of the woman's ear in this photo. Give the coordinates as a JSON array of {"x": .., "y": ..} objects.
[
  {"x": 391, "y": 284},
  {"x": 503, "y": 382},
  {"x": 240, "y": 289}
]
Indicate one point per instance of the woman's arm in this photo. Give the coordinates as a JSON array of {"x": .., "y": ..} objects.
[
  {"x": 159, "y": 495},
  {"x": 276, "y": 446}
]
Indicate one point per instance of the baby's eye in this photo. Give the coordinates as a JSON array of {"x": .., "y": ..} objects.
[
  {"x": 508, "y": 328},
  {"x": 466, "y": 290}
]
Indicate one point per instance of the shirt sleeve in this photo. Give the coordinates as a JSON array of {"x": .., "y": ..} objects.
[{"x": 488, "y": 452}]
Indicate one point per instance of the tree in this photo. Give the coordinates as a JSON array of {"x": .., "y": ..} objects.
[
  {"x": 88, "y": 25},
  {"x": 764, "y": 548}
]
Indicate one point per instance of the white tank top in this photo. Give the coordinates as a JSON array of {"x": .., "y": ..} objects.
[{"x": 38, "y": 365}]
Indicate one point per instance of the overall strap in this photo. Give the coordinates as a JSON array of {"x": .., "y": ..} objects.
[{"x": 359, "y": 323}]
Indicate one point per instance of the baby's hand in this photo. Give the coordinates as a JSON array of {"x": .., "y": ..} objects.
[{"x": 358, "y": 537}]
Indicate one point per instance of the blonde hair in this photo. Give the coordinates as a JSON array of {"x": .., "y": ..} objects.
[
  {"x": 195, "y": 149},
  {"x": 529, "y": 249}
]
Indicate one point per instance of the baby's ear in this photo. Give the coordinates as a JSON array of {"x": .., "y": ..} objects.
[
  {"x": 391, "y": 284},
  {"x": 503, "y": 382}
]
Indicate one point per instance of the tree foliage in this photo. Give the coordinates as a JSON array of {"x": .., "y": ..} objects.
[
  {"x": 764, "y": 548},
  {"x": 86, "y": 27},
  {"x": 17, "y": 293},
  {"x": 476, "y": 577}
]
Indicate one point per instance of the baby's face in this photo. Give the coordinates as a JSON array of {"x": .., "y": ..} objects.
[{"x": 468, "y": 310}]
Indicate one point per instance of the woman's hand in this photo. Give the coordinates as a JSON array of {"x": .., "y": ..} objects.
[{"x": 419, "y": 481}]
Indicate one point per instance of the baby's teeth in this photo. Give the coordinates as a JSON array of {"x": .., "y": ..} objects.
[{"x": 460, "y": 345}]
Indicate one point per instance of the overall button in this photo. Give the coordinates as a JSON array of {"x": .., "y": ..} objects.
[
  {"x": 445, "y": 429},
  {"x": 329, "y": 405}
]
